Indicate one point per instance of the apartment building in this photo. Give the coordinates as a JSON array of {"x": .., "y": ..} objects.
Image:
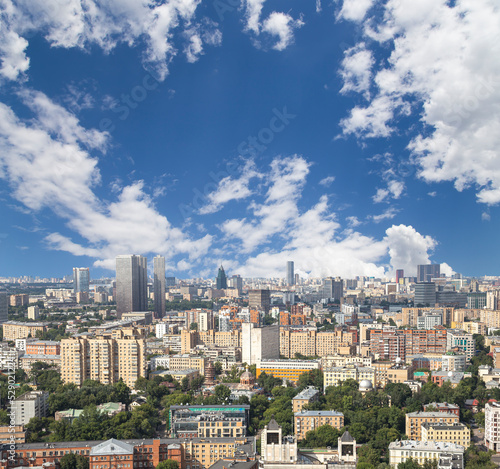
[
  {"x": 43, "y": 347},
  {"x": 106, "y": 358},
  {"x": 414, "y": 421},
  {"x": 190, "y": 339},
  {"x": 188, "y": 362},
  {"x": 463, "y": 341},
  {"x": 13, "y": 330},
  {"x": 308, "y": 420},
  {"x": 457, "y": 434}
]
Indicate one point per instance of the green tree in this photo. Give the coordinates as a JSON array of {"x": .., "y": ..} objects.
[
  {"x": 73, "y": 461},
  {"x": 168, "y": 464}
]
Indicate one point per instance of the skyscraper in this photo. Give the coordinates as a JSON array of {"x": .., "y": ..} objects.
[
  {"x": 290, "y": 277},
  {"x": 131, "y": 284},
  {"x": 81, "y": 279},
  {"x": 426, "y": 272},
  {"x": 260, "y": 299},
  {"x": 221, "y": 279},
  {"x": 400, "y": 273},
  {"x": 159, "y": 285},
  {"x": 4, "y": 307},
  {"x": 333, "y": 288},
  {"x": 236, "y": 282}
]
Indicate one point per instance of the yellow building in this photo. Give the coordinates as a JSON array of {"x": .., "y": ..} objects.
[
  {"x": 188, "y": 362},
  {"x": 389, "y": 372},
  {"x": 202, "y": 453},
  {"x": 308, "y": 395},
  {"x": 308, "y": 420},
  {"x": 289, "y": 370},
  {"x": 13, "y": 330},
  {"x": 457, "y": 433},
  {"x": 414, "y": 421},
  {"x": 178, "y": 375}
]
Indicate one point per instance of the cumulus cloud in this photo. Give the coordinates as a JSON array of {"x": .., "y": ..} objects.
[
  {"x": 355, "y": 10},
  {"x": 394, "y": 190},
  {"x": 446, "y": 269},
  {"x": 356, "y": 70},
  {"x": 48, "y": 164},
  {"x": 278, "y": 24},
  {"x": 408, "y": 248},
  {"x": 444, "y": 68},
  {"x": 86, "y": 23}
]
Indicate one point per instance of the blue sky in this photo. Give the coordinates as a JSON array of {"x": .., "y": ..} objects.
[{"x": 353, "y": 137}]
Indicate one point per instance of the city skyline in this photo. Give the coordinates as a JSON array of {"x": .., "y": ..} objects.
[{"x": 347, "y": 136}]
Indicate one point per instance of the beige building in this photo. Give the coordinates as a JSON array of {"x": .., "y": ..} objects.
[
  {"x": 389, "y": 372},
  {"x": 414, "y": 421},
  {"x": 336, "y": 375},
  {"x": 15, "y": 434},
  {"x": 187, "y": 362},
  {"x": 308, "y": 420},
  {"x": 190, "y": 339},
  {"x": 458, "y": 433},
  {"x": 308, "y": 395},
  {"x": 107, "y": 358},
  {"x": 420, "y": 451},
  {"x": 13, "y": 330}
]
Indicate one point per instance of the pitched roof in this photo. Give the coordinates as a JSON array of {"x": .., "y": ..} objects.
[
  {"x": 273, "y": 425},
  {"x": 346, "y": 438},
  {"x": 112, "y": 446}
]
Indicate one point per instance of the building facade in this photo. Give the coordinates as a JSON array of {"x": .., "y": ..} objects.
[
  {"x": 131, "y": 284},
  {"x": 159, "y": 286},
  {"x": 308, "y": 420}
]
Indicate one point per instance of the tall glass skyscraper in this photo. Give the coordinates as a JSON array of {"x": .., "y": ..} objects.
[
  {"x": 81, "y": 279},
  {"x": 290, "y": 277},
  {"x": 221, "y": 279},
  {"x": 159, "y": 285},
  {"x": 131, "y": 284}
]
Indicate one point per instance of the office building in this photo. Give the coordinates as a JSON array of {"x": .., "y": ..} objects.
[
  {"x": 429, "y": 321},
  {"x": 260, "y": 299},
  {"x": 81, "y": 280},
  {"x": 159, "y": 286},
  {"x": 236, "y": 282},
  {"x": 400, "y": 274},
  {"x": 4, "y": 308},
  {"x": 463, "y": 341},
  {"x": 221, "y": 283},
  {"x": 131, "y": 284},
  {"x": 308, "y": 420},
  {"x": 290, "y": 276},
  {"x": 194, "y": 420},
  {"x": 259, "y": 343},
  {"x": 286, "y": 370},
  {"x": 421, "y": 451},
  {"x": 19, "y": 300},
  {"x": 333, "y": 289},
  {"x": 426, "y": 272},
  {"x": 425, "y": 294},
  {"x": 29, "y": 405}
]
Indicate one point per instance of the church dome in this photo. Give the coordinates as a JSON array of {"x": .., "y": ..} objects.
[{"x": 247, "y": 378}]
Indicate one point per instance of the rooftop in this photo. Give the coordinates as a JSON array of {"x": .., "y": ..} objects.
[
  {"x": 318, "y": 413},
  {"x": 307, "y": 393},
  {"x": 426, "y": 446}
]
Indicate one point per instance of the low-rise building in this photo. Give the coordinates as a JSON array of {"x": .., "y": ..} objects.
[
  {"x": 457, "y": 433},
  {"x": 13, "y": 330},
  {"x": 12, "y": 434},
  {"x": 336, "y": 375},
  {"x": 306, "y": 396},
  {"x": 289, "y": 370},
  {"x": 492, "y": 426},
  {"x": 312, "y": 419},
  {"x": 443, "y": 407},
  {"x": 414, "y": 421},
  {"x": 421, "y": 451}
]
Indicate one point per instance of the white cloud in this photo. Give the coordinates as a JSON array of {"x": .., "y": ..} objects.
[
  {"x": 485, "y": 216},
  {"x": 278, "y": 24},
  {"x": 327, "y": 181},
  {"x": 355, "y": 10},
  {"x": 86, "y": 23},
  {"x": 408, "y": 248},
  {"x": 446, "y": 269},
  {"x": 283, "y": 26},
  {"x": 394, "y": 190},
  {"x": 444, "y": 65},
  {"x": 356, "y": 70},
  {"x": 47, "y": 163},
  {"x": 386, "y": 215},
  {"x": 353, "y": 221},
  {"x": 231, "y": 189}
]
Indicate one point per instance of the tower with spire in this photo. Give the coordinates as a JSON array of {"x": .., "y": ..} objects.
[{"x": 221, "y": 279}]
